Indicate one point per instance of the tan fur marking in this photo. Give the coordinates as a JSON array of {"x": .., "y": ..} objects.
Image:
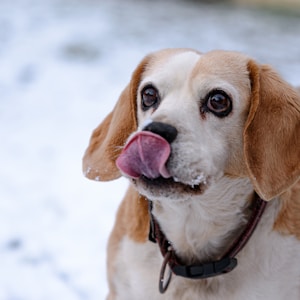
[
  {"x": 132, "y": 220},
  {"x": 272, "y": 133},
  {"x": 288, "y": 221},
  {"x": 137, "y": 217},
  {"x": 110, "y": 136}
]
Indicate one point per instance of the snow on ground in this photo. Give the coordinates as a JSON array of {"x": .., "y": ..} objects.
[{"x": 63, "y": 64}]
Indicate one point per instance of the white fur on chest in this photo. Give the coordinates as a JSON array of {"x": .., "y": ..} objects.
[{"x": 268, "y": 267}]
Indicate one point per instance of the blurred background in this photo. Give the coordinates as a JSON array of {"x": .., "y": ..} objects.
[{"x": 63, "y": 64}]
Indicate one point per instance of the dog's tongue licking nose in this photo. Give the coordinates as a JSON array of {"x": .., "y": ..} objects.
[{"x": 145, "y": 154}]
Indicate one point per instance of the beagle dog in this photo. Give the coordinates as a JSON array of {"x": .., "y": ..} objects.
[{"x": 211, "y": 146}]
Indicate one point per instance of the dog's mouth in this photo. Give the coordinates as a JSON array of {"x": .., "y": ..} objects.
[{"x": 162, "y": 185}]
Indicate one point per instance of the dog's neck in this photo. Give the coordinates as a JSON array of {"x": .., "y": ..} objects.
[{"x": 203, "y": 228}]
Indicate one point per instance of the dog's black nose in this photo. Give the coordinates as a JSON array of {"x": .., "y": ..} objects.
[{"x": 167, "y": 131}]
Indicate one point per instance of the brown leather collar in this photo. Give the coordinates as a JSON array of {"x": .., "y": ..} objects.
[{"x": 200, "y": 271}]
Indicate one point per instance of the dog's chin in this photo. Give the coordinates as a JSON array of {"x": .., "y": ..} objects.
[{"x": 161, "y": 188}]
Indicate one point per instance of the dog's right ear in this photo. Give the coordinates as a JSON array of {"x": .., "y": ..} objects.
[{"x": 110, "y": 136}]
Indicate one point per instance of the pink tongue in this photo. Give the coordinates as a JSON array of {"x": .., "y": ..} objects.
[{"x": 145, "y": 154}]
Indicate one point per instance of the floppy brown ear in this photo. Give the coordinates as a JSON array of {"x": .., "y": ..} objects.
[
  {"x": 110, "y": 136},
  {"x": 272, "y": 133}
]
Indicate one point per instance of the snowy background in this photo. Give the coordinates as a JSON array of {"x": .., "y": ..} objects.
[{"x": 63, "y": 64}]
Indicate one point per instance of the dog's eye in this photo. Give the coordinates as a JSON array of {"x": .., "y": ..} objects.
[
  {"x": 219, "y": 103},
  {"x": 150, "y": 97}
]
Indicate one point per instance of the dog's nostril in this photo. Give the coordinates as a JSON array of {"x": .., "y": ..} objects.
[{"x": 167, "y": 131}]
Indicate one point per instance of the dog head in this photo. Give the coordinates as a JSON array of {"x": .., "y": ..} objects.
[{"x": 187, "y": 118}]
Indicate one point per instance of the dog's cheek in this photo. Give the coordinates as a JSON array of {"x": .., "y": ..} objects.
[
  {"x": 236, "y": 166},
  {"x": 233, "y": 147}
]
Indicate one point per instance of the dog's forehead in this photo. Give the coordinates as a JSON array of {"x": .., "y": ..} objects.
[
  {"x": 171, "y": 63},
  {"x": 222, "y": 63},
  {"x": 183, "y": 64}
]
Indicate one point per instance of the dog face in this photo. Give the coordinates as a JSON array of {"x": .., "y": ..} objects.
[
  {"x": 208, "y": 105},
  {"x": 230, "y": 116}
]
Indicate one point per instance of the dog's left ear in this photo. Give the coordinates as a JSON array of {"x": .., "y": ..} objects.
[
  {"x": 110, "y": 136},
  {"x": 272, "y": 133}
]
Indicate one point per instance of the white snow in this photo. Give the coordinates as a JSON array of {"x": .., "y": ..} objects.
[{"x": 63, "y": 64}]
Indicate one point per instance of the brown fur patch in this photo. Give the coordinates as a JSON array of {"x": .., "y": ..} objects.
[
  {"x": 288, "y": 220},
  {"x": 272, "y": 133},
  {"x": 110, "y": 136},
  {"x": 132, "y": 220}
]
